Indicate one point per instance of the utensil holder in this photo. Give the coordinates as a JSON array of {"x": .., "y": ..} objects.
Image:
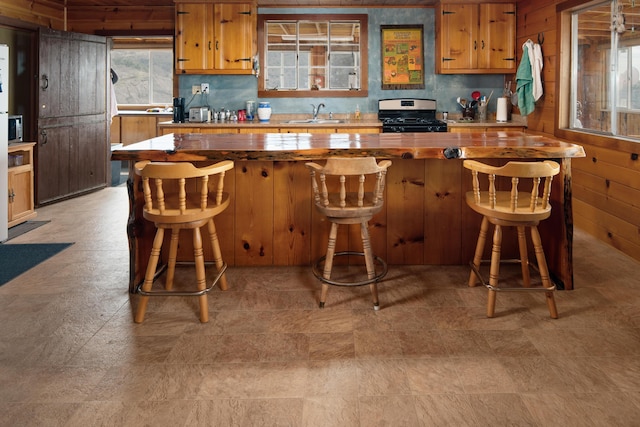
[{"x": 469, "y": 112}]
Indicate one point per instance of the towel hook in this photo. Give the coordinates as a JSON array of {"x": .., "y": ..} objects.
[{"x": 540, "y": 38}]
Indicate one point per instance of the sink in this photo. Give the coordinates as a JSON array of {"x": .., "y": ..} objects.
[{"x": 315, "y": 121}]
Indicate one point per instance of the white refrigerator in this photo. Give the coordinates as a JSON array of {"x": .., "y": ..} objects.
[{"x": 4, "y": 141}]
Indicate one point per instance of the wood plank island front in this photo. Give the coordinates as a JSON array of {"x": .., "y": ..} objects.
[{"x": 271, "y": 220}]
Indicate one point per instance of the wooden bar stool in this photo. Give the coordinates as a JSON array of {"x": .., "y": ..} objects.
[
  {"x": 509, "y": 209},
  {"x": 349, "y": 207},
  {"x": 176, "y": 198}
]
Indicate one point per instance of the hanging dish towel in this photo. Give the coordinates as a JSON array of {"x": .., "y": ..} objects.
[
  {"x": 537, "y": 62},
  {"x": 524, "y": 84}
]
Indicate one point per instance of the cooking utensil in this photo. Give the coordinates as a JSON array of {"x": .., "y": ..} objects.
[
  {"x": 489, "y": 98},
  {"x": 475, "y": 95}
]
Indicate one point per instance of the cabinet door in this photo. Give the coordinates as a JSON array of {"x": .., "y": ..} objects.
[
  {"x": 87, "y": 161},
  {"x": 235, "y": 29},
  {"x": 52, "y": 174},
  {"x": 497, "y": 37},
  {"x": 458, "y": 34},
  {"x": 91, "y": 76},
  {"x": 72, "y": 99},
  {"x": 73, "y": 74},
  {"x": 194, "y": 36},
  {"x": 114, "y": 135},
  {"x": 137, "y": 128},
  {"x": 57, "y": 64},
  {"x": 20, "y": 193}
]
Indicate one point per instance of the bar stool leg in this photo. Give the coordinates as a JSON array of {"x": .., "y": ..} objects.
[
  {"x": 368, "y": 259},
  {"x": 328, "y": 261},
  {"x": 149, "y": 275},
  {"x": 201, "y": 284},
  {"x": 524, "y": 257},
  {"x": 477, "y": 257},
  {"x": 544, "y": 272},
  {"x": 217, "y": 253},
  {"x": 494, "y": 272},
  {"x": 173, "y": 255}
]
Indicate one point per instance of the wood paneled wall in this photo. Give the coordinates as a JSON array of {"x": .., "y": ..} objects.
[
  {"x": 142, "y": 20},
  {"x": 46, "y": 13},
  {"x": 606, "y": 184},
  {"x": 89, "y": 17}
]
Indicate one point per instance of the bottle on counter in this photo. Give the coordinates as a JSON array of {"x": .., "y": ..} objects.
[
  {"x": 357, "y": 113},
  {"x": 251, "y": 109}
]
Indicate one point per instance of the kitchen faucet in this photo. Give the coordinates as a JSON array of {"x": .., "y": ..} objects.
[{"x": 316, "y": 110}]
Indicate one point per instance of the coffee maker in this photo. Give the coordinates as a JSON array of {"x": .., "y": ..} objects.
[{"x": 178, "y": 110}]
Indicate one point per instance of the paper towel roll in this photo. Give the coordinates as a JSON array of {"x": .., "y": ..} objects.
[{"x": 501, "y": 113}]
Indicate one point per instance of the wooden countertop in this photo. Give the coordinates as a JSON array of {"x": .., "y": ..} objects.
[
  {"x": 345, "y": 123},
  {"x": 305, "y": 146},
  {"x": 350, "y": 124},
  {"x": 144, "y": 113}
]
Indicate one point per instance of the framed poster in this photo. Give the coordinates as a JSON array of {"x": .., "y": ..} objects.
[{"x": 402, "y": 56}]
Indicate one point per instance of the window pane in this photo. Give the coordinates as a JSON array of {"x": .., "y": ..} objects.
[
  {"x": 162, "y": 77},
  {"x": 634, "y": 82},
  {"x": 144, "y": 76},
  {"x": 592, "y": 56},
  {"x": 606, "y": 70},
  {"x": 312, "y": 54}
]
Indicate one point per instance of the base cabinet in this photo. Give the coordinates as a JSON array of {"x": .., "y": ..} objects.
[
  {"x": 133, "y": 128},
  {"x": 20, "y": 180},
  {"x": 72, "y": 158}
]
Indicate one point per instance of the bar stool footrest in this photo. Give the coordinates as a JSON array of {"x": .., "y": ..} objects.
[
  {"x": 317, "y": 271},
  {"x": 513, "y": 288},
  {"x": 161, "y": 292}
]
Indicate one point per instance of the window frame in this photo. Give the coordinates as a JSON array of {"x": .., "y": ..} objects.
[
  {"x": 565, "y": 84},
  {"x": 147, "y": 44},
  {"x": 361, "y": 92}
]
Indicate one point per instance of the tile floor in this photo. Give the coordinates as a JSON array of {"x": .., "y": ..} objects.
[{"x": 70, "y": 354}]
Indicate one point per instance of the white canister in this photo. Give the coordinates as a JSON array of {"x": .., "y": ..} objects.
[
  {"x": 264, "y": 111},
  {"x": 501, "y": 111}
]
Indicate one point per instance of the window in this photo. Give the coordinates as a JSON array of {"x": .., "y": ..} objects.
[
  {"x": 145, "y": 75},
  {"x": 605, "y": 68},
  {"x": 314, "y": 55}
]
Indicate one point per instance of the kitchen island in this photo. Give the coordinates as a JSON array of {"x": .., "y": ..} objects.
[{"x": 271, "y": 220}]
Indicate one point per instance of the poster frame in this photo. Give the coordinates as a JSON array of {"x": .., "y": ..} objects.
[{"x": 400, "y": 68}]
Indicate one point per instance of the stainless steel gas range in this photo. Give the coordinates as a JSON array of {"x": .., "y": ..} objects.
[{"x": 409, "y": 115}]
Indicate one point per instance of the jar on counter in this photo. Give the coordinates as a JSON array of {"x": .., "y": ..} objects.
[{"x": 264, "y": 111}]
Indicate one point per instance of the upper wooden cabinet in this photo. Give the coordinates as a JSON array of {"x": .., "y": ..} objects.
[
  {"x": 475, "y": 38},
  {"x": 215, "y": 38}
]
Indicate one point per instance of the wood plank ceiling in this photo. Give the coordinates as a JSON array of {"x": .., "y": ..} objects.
[{"x": 261, "y": 3}]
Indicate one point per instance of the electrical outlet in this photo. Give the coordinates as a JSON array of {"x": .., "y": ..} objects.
[
  {"x": 204, "y": 87},
  {"x": 195, "y": 89}
]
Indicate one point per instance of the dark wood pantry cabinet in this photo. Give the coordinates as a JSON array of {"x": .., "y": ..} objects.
[{"x": 73, "y": 145}]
